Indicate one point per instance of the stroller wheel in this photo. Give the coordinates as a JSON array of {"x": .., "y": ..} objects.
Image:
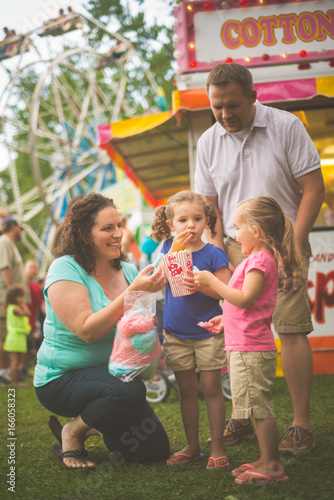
[
  {"x": 157, "y": 391},
  {"x": 226, "y": 388}
]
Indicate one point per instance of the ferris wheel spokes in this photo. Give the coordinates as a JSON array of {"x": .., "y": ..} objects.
[{"x": 65, "y": 98}]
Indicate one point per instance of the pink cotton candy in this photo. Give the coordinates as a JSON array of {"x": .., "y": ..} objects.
[
  {"x": 122, "y": 349},
  {"x": 204, "y": 324},
  {"x": 124, "y": 352},
  {"x": 130, "y": 325},
  {"x": 136, "y": 348}
]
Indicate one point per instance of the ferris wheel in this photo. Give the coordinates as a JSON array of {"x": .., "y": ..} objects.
[{"x": 49, "y": 113}]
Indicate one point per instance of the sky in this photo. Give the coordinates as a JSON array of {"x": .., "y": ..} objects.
[{"x": 25, "y": 15}]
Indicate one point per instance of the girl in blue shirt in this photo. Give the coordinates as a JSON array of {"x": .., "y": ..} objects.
[{"x": 187, "y": 346}]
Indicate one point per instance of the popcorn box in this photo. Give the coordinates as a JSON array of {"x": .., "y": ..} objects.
[{"x": 176, "y": 265}]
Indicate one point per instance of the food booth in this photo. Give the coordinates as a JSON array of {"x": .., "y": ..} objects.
[{"x": 289, "y": 48}]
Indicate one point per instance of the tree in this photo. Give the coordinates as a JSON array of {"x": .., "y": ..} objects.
[
  {"x": 153, "y": 50},
  {"x": 153, "y": 42}
]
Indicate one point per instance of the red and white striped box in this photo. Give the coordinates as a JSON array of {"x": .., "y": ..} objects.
[{"x": 176, "y": 266}]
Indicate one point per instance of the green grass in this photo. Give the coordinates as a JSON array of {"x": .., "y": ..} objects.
[{"x": 39, "y": 476}]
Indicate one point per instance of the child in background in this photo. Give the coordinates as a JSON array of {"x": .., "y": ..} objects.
[
  {"x": 187, "y": 346},
  {"x": 267, "y": 236},
  {"x": 17, "y": 321}
]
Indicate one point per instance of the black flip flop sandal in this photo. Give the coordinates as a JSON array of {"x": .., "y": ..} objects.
[
  {"x": 56, "y": 428},
  {"x": 80, "y": 454}
]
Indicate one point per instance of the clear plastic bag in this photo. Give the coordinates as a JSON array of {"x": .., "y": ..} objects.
[{"x": 136, "y": 350}]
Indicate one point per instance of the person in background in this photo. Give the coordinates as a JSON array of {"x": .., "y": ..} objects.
[
  {"x": 255, "y": 150},
  {"x": 17, "y": 319},
  {"x": 11, "y": 272},
  {"x": 36, "y": 293},
  {"x": 36, "y": 303},
  {"x": 8, "y": 33}
]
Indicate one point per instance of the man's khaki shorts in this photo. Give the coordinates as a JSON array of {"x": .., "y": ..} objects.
[
  {"x": 252, "y": 375},
  {"x": 187, "y": 354},
  {"x": 292, "y": 313}
]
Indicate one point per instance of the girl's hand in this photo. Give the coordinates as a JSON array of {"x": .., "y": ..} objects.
[
  {"x": 203, "y": 278},
  {"x": 189, "y": 282},
  {"x": 155, "y": 322},
  {"x": 180, "y": 241},
  {"x": 148, "y": 283},
  {"x": 216, "y": 325},
  {"x": 22, "y": 310}
]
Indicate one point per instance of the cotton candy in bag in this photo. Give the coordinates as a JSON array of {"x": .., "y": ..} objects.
[{"x": 136, "y": 350}]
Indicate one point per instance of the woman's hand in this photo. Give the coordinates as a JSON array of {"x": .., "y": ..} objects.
[
  {"x": 203, "y": 278},
  {"x": 146, "y": 282},
  {"x": 180, "y": 241},
  {"x": 216, "y": 325}
]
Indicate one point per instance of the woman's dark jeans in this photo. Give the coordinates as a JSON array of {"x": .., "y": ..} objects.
[{"x": 117, "y": 409}]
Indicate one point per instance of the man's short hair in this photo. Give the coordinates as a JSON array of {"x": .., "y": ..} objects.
[
  {"x": 7, "y": 224},
  {"x": 226, "y": 73}
]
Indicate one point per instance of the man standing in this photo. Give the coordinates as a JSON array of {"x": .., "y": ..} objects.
[
  {"x": 255, "y": 150},
  {"x": 11, "y": 271}
]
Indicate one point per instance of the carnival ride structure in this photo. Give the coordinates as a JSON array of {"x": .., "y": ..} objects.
[{"x": 58, "y": 93}]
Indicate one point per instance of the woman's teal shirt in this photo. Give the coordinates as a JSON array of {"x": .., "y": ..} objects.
[{"x": 61, "y": 350}]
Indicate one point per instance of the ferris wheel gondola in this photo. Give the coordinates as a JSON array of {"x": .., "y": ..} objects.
[
  {"x": 14, "y": 45},
  {"x": 50, "y": 111}
]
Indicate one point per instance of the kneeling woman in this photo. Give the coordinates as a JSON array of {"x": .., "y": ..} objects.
[{"x": 84, "y": 293}]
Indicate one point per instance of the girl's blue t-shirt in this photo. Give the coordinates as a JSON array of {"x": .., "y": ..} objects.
[
  {"x": 61, "y": 350},
  {"x": 181, "y": 314}
]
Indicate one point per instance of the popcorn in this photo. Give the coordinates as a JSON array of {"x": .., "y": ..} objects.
[{"x": 176, "y": 265}]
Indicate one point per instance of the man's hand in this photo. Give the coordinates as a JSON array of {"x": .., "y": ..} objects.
[{"x": 287, "y": 282}]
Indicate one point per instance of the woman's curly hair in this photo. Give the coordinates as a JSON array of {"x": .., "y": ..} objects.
[
  {"x": 76, "y": 234},
  {"x": 161, "y": 230}
]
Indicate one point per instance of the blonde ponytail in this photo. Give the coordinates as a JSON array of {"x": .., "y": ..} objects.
[
  {"x": 276, "y": 228},
  {"x": 290, "y": 251}
]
